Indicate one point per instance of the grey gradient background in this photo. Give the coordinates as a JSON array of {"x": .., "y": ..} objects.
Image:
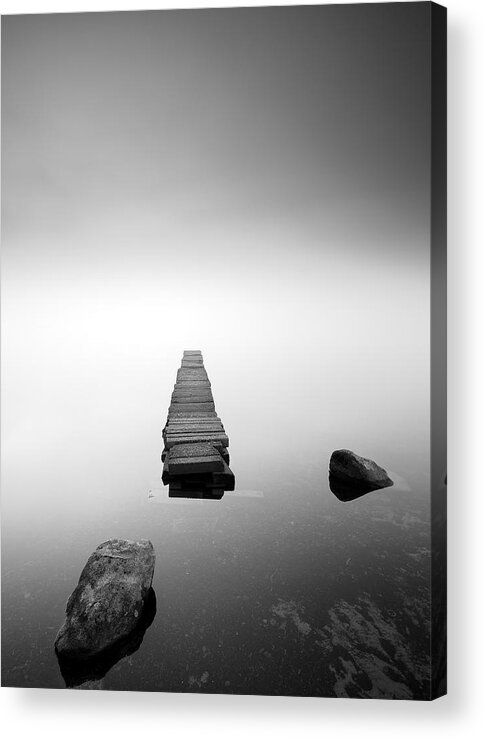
[{"x": 250, "y": 182}]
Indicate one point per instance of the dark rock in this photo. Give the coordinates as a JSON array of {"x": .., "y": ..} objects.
[
  {"x": 350, "y": 470},
  {"x": 345, "y": 492},
  {"x": 108, "y": 601},
  {"x": 78, "y": 671}
]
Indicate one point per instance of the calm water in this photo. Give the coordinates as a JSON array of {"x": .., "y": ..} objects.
[{"x": 291, "y": 593}]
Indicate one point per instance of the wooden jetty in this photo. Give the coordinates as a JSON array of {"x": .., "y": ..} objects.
[{"x": 196, "y": 458}]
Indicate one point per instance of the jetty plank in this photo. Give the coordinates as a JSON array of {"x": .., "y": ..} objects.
[{"x": 195, "y": 456}]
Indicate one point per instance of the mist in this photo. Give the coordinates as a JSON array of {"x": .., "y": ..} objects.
[{"x": 174, "y": 185}]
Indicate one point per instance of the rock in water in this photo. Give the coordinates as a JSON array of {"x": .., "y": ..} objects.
[
  {"x": 347, "y": 492},
  {"x": 78, "y": 672},
  {"x": 356, "y": 471},
  {"x": 107, "y": 604}
]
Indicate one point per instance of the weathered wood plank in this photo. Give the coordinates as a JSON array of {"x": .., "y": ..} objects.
[{"x": 195, "y": 451}]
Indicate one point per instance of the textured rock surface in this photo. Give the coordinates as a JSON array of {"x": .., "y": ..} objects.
[
  {"x": 79, "y": 671},
  {"x": 353, "y": 470},
  {"x": 107, "y": 603}
]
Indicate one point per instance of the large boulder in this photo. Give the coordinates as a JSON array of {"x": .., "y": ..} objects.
[
  {"x": 108, "y": 602},
  {"x": 355, "y": 471},
  {"x": 77, "y": 672}
]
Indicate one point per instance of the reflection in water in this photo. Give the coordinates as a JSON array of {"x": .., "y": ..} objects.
[
  {"x": 349, "y": 492},
  {"x": 79, "y": 671},
  {"x": 202, "y": 486}
]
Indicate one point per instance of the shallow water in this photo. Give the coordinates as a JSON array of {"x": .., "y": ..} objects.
[{"x": 284, "y": 590}]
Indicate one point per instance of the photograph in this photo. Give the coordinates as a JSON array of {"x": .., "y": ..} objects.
[{"x": 223, "y": 351}]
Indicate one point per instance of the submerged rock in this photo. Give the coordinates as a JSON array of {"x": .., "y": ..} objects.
[
  {"x": 350, "y": 470},
  {"x": 346, "y": 492},
  {"x": 107, "y": 604},
  {"x": 77, "y": 672}
]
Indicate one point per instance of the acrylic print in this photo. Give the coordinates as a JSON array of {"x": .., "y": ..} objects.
[{"x": 223, "y": 351}]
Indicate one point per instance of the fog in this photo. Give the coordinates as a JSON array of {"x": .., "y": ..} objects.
[{"x": 229, "y": 181}]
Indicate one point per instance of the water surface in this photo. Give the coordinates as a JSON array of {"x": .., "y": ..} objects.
[{"x": 289, "y": 593}]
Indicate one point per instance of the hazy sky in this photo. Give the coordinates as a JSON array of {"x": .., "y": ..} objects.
[{"x": 250, "y": 182}]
